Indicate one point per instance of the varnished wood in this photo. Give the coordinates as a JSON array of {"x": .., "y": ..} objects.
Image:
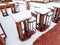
[
  {"x": 2, "y": 42},
  {"x": 26, "y": 26},
  {"x": 13, "y": 8},
  {"x": 42, "y": 25},
  {"x": 3, "y": 10},
  {"x": 57, "y": 13},
  {"x": 27, "y": 33},
  {"x": 19, "y": 29},
  {"x": 3, "y": 32}
]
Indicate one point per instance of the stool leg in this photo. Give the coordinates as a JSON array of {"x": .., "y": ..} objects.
[
  {"x": 2, "y": 42},
  {"x": 3, "y": 32},
  {"x": 41, "y": 21},
  {"x": 19, "y": 29},
  {"x": 57, "y": 15},
  {"x": 25, "y": 26},
  {"x": 28, "y": 25}
]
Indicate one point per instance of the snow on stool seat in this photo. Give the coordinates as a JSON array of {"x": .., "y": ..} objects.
[
  {"x": 57, "y": 5},
  {"x": 50, "y": 14},
  {"x": 12, "y": 2},
  {"x": 42, "y": 10},
  {"x": 32, "y": 19},
  {"x": 50, "y": 5},
  {"x": 2, "y": 4},
  {"x": 21, "y": 16},
  {"x": 21, "y": 2},
  {"x": 38, "y": 5}
]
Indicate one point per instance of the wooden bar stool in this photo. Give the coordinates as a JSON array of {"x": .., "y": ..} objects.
[
  {"x": 57, "y": 12},
  {"x": 43, "y": 18},
  {"x": 3, "y": 9},
  {"x": 19, "y": 18},
  {"x": 2, "y": 33}
]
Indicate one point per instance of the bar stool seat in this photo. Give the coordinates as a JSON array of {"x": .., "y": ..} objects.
[
  {"x": 21, "y": 16},
  {"x": 32, "y": 19},
  {"x": 2, "y": 4},
  {"x": 57, "y": 5},
  {"x": 50, "y": 5},
  {"x": 42, "y": 10}
]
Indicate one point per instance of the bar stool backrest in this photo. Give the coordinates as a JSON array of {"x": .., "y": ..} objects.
[{"x": 2, "y": 32}]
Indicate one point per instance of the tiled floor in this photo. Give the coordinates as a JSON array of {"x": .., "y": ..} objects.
[{"x": 50, "y": 38}]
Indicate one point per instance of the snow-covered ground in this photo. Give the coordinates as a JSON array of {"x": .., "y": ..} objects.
[{"x": 12, "y": 35}]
